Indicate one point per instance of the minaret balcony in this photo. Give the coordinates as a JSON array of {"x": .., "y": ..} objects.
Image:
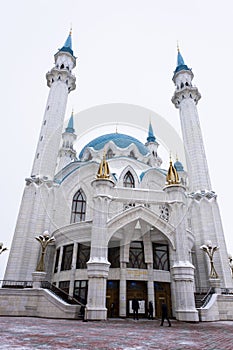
[
  {"x": 63, "y": 75},
  {"x": 187, "y": 92}
]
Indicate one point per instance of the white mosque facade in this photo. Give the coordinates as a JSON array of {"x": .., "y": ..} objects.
[{"x": 123, "y": 226}]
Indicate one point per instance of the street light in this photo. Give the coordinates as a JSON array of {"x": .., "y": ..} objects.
[
  {"x": 210, "y": 250},
  {"x": 44, "y": 240},
  {"x": 1, "y": 248},
  {"x": 231, "y": 263}
]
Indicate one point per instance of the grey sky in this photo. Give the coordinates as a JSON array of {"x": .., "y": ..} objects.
[{"x": 126, "y": 53}]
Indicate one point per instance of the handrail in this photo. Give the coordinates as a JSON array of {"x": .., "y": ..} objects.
[
  {"x": 60, "y": 293},
  {"x": 207, "y": 297}
]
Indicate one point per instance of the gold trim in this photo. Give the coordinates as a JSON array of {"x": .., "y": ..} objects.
[
  {"x": 103, "y": 171},
  {"x": 172, "y": 177}
]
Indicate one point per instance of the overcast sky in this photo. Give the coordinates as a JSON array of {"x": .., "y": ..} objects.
[{"x": 126, "y": 53}]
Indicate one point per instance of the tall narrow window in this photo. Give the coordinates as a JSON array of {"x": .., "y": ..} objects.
[
  {"x": 65, "y": 286},
  {"x": 80, "y": 291},
  {"x": 78, "y": 207},
  {"x": 57, "y": 260},
  {"x": 83, "y": 256},
  {"x": 128, "y": 180},
  {"x": 136, "y": 256},
  {"x": 67, "y": 257},
  {"x": 161, "y": 257},
  {"x": 114, "y": 256}
]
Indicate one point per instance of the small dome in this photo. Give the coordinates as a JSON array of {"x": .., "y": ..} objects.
[
  {"x": 178, "y": 166},
  {"x": 120, "y": 140}
]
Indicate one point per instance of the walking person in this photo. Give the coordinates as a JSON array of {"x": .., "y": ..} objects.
[
  {"x": 150, "y": 310},
  {"x": 135, "y": 307},
  {"x": 165, "y": 314}
]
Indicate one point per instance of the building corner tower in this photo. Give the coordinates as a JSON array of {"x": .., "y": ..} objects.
[
  {"x": 35, "y": 214},
  {"x": 205, "y": 219},
  {"x": 61, "y": 81}
]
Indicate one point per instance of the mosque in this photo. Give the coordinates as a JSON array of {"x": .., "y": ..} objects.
[{"x": 118, "y": 225}]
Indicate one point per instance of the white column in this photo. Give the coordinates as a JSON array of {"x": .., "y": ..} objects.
[
  {"x": 73, "y": 269},
  {"x": 98, "y": 265},
  {"x": 182, "y": 270}
]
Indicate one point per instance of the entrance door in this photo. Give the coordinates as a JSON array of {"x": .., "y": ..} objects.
[
  {"x": 162, "y": 293},
  {"x": 112, "y": 298},
  {"x": 138, "y": 290}
]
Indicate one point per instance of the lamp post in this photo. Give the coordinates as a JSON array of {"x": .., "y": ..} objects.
[
  {"x": 231, "y": 264},
  {"x": 210, "y": 250},
  {"x": 2, "y": 249},
  {"x": 44, "y": 240}
]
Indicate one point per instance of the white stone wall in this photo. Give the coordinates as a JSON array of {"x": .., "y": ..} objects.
[
  {"x": 36, "y": 303},
  {"x": 219, "y": 308}
]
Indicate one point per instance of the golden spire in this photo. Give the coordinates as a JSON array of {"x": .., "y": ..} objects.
[
  {"x": 172, "y": 177},
  {"x": 70, "y": 28},
  {"x": 103, "y": 172},
  {"x": 178, "y": 48}
]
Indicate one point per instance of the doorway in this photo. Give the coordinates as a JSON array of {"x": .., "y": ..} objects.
[
  {"x": 162, "y": 294},
  {"x": 112, "y": 298},
  {"x": 138, "y": 290}
]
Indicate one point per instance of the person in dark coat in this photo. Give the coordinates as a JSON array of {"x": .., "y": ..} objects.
[
  {"x": 165, "y": 314},
  {"x": 112, "y": 306},
  {"x": 150, "y": 310},
  {"x": 135, "y": 307}
]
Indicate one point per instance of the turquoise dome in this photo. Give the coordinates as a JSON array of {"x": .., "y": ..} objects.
[
  {"x": 120, "y": 140},
  {"x": 178, "y": 166}
]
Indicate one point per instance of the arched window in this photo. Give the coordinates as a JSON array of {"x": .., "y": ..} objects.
[
  {"x": 78, "y": 207},
  {"x": 109, "y": 153},
  {"x": 128, "y": 180}
]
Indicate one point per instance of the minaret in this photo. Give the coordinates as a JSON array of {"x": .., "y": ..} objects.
[
  {"x": 67, "y": 153},
  {"x": 152, "y": 145},
  {"x": 204, "y": 215},
  {"x": 37, "y": 205},
  {"x": 185, "y": 98},
  {"x": 61, "y": 81}
]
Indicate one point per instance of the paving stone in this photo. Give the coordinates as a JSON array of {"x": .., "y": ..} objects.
[{"x": 115, "y": 334}]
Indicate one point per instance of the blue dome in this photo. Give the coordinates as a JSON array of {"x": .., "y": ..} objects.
[
  {"x": 120, "y": 140},
  {"x": 178, "y": 166}
]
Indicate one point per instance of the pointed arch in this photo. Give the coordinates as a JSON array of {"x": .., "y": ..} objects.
[
  {"x": 128, "y": 180},
  {"x": 78, "y": 212},
  {"x": 143, "y": 214},
  {"x": 128, "y": 170}
]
